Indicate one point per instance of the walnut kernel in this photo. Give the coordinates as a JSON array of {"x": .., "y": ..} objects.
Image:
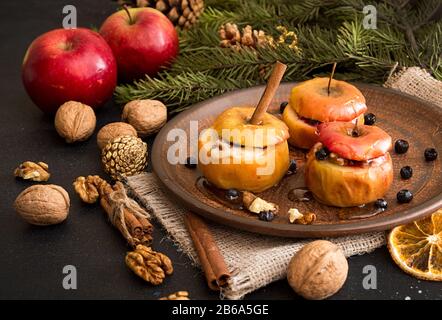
[
  {"x": 307, "y": 218},
  {"x": 149, "y": 265},
  {"x": 294, "y": 215},
  {"x": 256, "y": 205},
  {"x": 29, "y": 170},
  {"x": 180, "y": 295}
]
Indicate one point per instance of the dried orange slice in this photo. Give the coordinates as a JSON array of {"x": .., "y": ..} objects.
[{"x": 417, "y": 247}]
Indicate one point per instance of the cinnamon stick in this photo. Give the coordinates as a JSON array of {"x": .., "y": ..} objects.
[
  {"x": 146, "y": 225},
  {"x": 269, "y": 93},
  {"x": 212, "y": 262}
]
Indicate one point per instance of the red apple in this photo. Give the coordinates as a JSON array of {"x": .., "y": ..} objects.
[
  {"x": 352, "y": 142},
  {"x": 143, "y": 40},
  {"x": 69, "y": 64}
]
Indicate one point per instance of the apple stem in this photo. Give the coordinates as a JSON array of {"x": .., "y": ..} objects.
[
  {"x": 331, "y": 77},
  {"x": 128, "y": 13},
  {"x": 269, "y": 93}
]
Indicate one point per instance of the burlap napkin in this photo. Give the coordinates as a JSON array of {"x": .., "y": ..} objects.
[{"x": 255, "y": 260}]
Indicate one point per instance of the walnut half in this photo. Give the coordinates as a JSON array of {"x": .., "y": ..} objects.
[
  {"x": 29, "y": 170},
  {"x": 149, "y": 265}
]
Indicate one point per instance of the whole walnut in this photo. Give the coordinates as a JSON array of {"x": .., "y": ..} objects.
[
  {"x": 318, "y": 270},
  {"x": 146, "y": 116},
  {"x": 43, "y": 205},
  {"x": 114, "y": 130},
  {"x": 75, "y": 121}
]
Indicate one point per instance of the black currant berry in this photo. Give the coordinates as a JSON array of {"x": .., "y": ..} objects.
[
  {"x": 266, "y": 216},
  {"x": 190, "y": 163},
  {"x": 406, "y": 172},
  {"x": 369, "y": 119},
  {"x": 282, "y": 106},
  {"x": 322, "y": 154},
  {"x": 401, "y": 146},
  {"x": 381, "y": 204},
  {"x": 293, "y": 167},
  {"x": 430, "y": 154},
  {"x": 404, "y": 196},
  {"x": 232, "y": 194}
]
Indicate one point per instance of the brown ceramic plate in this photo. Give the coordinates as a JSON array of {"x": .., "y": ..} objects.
[{"x": 402, "y": 116}]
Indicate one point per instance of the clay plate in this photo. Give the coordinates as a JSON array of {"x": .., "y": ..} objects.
[{"x": 402, "y": 116}]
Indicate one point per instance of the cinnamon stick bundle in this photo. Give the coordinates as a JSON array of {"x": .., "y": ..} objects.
[
  {"x": 212, "y": 262},
  {"x": 128, "y": 218}
]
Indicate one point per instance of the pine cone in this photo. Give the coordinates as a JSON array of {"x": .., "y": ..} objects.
[
  {"x": 183, "y": 13},
  {"x": 231, "y": 37},
  {"x": 124, "y": 156}
]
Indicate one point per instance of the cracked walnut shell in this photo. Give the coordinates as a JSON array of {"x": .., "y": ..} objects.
[
  {"x": 75, "y": 121},
  {"x": 114, "y": 130},
  {"x": 43, "y": 205},
  {"x": 149, "y": 265},
  {"x": 146, "y": 116},
  {"x": 318, "y": 270}
]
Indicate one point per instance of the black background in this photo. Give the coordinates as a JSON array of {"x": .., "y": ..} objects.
[{"x": 32, "y": 258}]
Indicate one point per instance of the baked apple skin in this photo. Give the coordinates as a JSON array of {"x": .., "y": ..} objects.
[
  {"x": 238, "y": 167},
  {"x": 368, "y": 143},
  {"x": 347, "y": 186},
  {"x": 303, "y": 135},
  {"x": 311, "y": 100},
  {"x": 235, "y": 122}
]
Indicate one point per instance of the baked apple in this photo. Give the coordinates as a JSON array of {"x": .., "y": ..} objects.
[
  {"x": 313, "y": 102},
  {"x": 234, "y": 153},
  {"x": 350, "y": 165}
]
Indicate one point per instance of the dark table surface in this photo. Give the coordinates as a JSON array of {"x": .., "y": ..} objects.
[{"x": 32, "y": 258}]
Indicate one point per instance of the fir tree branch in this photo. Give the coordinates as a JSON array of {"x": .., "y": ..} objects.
[
  {"x": 327, "y": 31},
  {"x": 178, "y": 91}
]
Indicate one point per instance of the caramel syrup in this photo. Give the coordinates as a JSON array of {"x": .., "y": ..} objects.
[
  {"x": 204, "y": 186},
  {"x": 299, "y": 194},
  {"x": 361, "y": 212}
]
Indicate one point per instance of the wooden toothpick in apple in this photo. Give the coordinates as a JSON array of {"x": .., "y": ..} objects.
[
  {"x": 355, "y": 131},
  {"x": 331, "y": 77}
]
